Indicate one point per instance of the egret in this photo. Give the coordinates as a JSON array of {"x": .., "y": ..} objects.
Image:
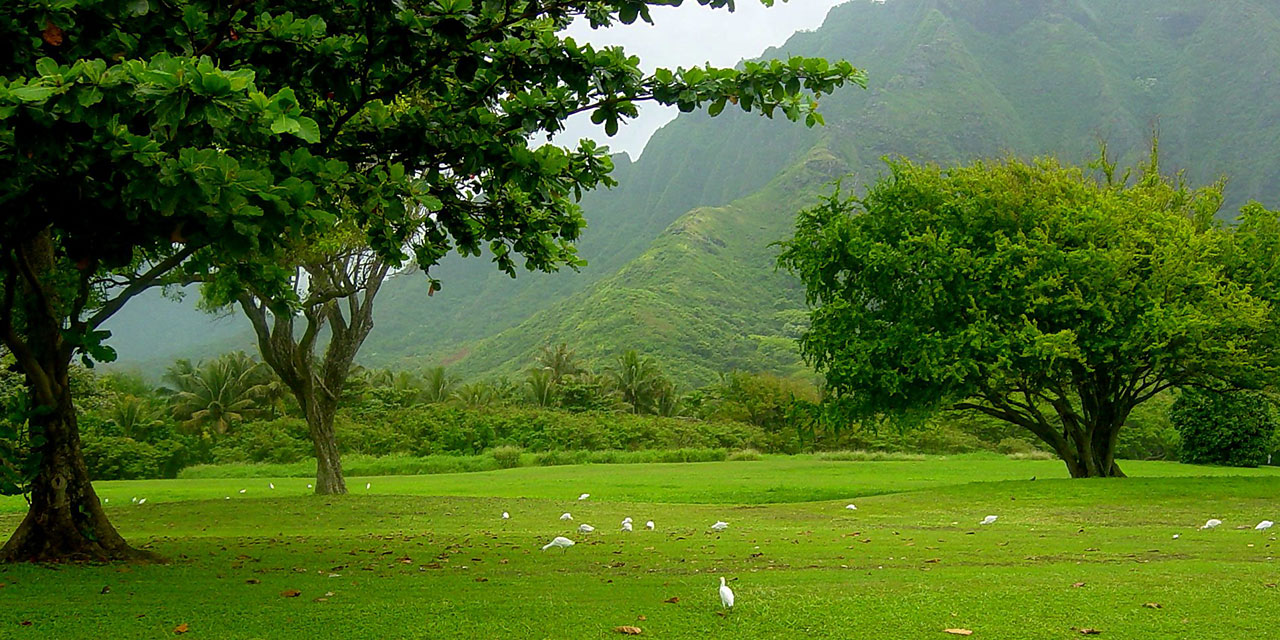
[
  {"x": 228, "y": 497},
  {"x": 584, "y": 496},
  {"x": 585, "y": 528},
  {"x": 134, "y": 500},
  {"x": 851, "y": 507},
  {"x": 720, "y": 525},
  {"x": 626, "y": 520},
  {"x": 506, "y": 516},
  {"x": 989, "y": 520},
  {"x": 271, "y": 485},
  {"x": 726, "y": 594},
  {"x": 368, "y": 486},
  {"x": 1264, "y": 525},
  {"x": 1211, "y": 523},
  {"x": 142, "y": 501},
  {"x": 1176, "y": 536},
  {"x": 560, "y": 542},
  {"x": 566, "y": 517},
  {"x": 626, "y": 526},
  {"x": 244, "y": 491},
  {"x": 649, "y": 525},
  {"x": 106, "y": 500},
  {"x": 308, "y": 485}
]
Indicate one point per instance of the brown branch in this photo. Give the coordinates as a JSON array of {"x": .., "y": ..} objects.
[{"x": 143, "y": 282}]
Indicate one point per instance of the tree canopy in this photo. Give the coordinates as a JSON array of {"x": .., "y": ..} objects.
[
  {"x": 1048, "y": 296},
  {"x": 144, "y": 140}
]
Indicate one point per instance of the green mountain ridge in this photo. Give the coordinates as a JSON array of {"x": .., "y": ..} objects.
[{"x": 680, "y": 259}]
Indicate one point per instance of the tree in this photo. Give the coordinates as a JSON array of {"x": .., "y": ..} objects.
[
  {"x": 560, "y": 361},
  {"x": 142, "y": 141},
  {"x": 214, "y": 396},
  {"x": 1234, "y": 429},
  {"x": 1042, "y": 295},
  {"x": 640, "y": 382}
]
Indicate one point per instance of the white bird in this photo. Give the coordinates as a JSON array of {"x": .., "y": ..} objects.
[
  {"x": 271, "y": 485},
  {"x": 506, "y": 516},
  {"x": 851, "y": 507},
  {"x": 989, "y": 520},
  {"x": 566, "y": 517},
  {"x": 142, "y": 501},
  {"x": 106, "y": 500},
  {"x": 243, "y": 490},
  {"x": 134, "y": 500},
  {"x": 368, "y": 485},
  {"x": 1211, "y": 523},
  {"x": 228, "y": 497},
  {"x": 626, "y": 520},
  {"x": 726, "y": 594},
  {"x": 649, "y": 525},
  {"x": 1176, "y": 536},
  {"x": 560, "y": 542},
  {"x": 1264, "y": 525},
  {"x": 308, "y": 485},
  {"x": 585, "y": 528},
  {"x": 720, "y": 525},
  {"x": 626, "y": 526},
  {"x": 584, "y": 496}
]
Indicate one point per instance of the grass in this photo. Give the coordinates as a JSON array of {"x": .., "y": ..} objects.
[{"x": 428, "y": 557}]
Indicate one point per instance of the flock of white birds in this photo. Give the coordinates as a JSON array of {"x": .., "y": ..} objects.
[{"x": 726, "y": 594}]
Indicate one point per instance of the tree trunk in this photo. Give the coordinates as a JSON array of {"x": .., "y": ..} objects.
[
  {"x": 65, "y": 521},
  {"x": 329, "y": 479}
]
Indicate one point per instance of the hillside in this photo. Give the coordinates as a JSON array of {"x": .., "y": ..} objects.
[{"x": 680, "y": 259}]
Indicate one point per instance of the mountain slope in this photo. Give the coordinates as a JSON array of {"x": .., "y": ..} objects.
[{"x": 951, "y": 81}]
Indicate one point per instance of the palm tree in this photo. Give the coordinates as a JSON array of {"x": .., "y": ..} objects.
[
  {"x": 638, "y": 379},
  {"x": 134, "y": 416},
  {"x": 218, "y": 394},
  {"x": 560, "y": 361},
  {"x": 476, "y": 395},
  {"x": 541, "y": 388},
  {"x": 437, "y": 385}
]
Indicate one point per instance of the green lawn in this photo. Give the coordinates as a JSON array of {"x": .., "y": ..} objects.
[{"x": 429, "y": 556}]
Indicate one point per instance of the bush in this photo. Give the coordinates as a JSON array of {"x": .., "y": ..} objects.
[
  {"x": 507, "y": 456},
  {"x": 743, "y": 455},
  {"x": 1233, "y": 429},
  {"x": 119, "y": 458}
]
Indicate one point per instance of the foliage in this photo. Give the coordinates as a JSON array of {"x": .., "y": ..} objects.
[
  {"x": 1228, "y": 428},
  {"x": 215, "y": 396},
  {"x": 1034, "y": 293},
  {"x": 507, "y": 456}
]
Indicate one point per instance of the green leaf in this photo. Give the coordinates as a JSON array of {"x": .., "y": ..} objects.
[
  {"x": 308, "y": 130},
  {"x": 285, "y": 124},
  {"x": 32, "y": 93}
]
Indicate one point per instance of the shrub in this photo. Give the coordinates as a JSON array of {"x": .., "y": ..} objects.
[
  {"x": 742, "y": 455},
  {"x": 507, "y": 456},
  {"x": 119, "y": 458},
  {"x": 1234, "y": 429}
]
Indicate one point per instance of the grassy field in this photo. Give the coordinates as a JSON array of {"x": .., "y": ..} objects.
[{"x": 430, "y": 557}]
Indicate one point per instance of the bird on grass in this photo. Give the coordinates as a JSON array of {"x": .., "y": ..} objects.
[
  {"x": 626, "y": 520},
  {"x": 506, "y": 516},
  {"x": 309, "y": 486},
  {"x": 560, "y": 542},
  {"x": 649, "y": 525},
  {"x": 271, "y": 485},
  {"x": 1264, "y": 525},
  {"x": 720, "y": 525},
  {"x": 584, "y": 496},
  {"x": 851, "y": 507},
  {"x": 989, "y": 520},
  {"x": 1211, "y": 523},
  {"x": 566, "y": 517},
  {"x": 368, "y": 486},
  {"x": 142, "y": 501},
  {"x": 244, "y": 491},
  {"x": 626, "y": 526},
  {"x": 726, "y": 594},
  {"x": 585, "y": 528}
]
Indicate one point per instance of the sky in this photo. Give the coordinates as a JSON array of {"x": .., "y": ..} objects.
[{"x": 686, "y": 36}]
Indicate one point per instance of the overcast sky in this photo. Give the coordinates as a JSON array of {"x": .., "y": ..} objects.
[{"x": 685, "y": 36}]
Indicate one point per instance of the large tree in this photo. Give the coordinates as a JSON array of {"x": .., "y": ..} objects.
[
  {"x": 140, "y": 139},
  {"x": 1051, "y": 297}
]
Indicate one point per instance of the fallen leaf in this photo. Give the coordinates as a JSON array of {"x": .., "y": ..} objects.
[
  {"x": 1078, "y": 585},
  {"x": 25, "y": 623},
  {"x": 181, "y": 629},
  {"x": 672, "y": 600},
  {"x": 290, "y": 593},
  {"x": 105, "y": 590},
  {"x": 52, "y": 34},
  {"x": 482, "y": 579},
  {"x": 253, "y": 581},
  {"x": 641, "y": 618},
  {"x": 321, "y": 600},
  {"x": 958, "y": 632},
  {"x": 1089, "y": 632},
  {"x": 1153, "y": 605},
  {"x": 628, "y": 630}
]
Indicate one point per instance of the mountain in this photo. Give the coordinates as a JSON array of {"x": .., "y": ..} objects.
[{"x": 680, "y": 258}]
